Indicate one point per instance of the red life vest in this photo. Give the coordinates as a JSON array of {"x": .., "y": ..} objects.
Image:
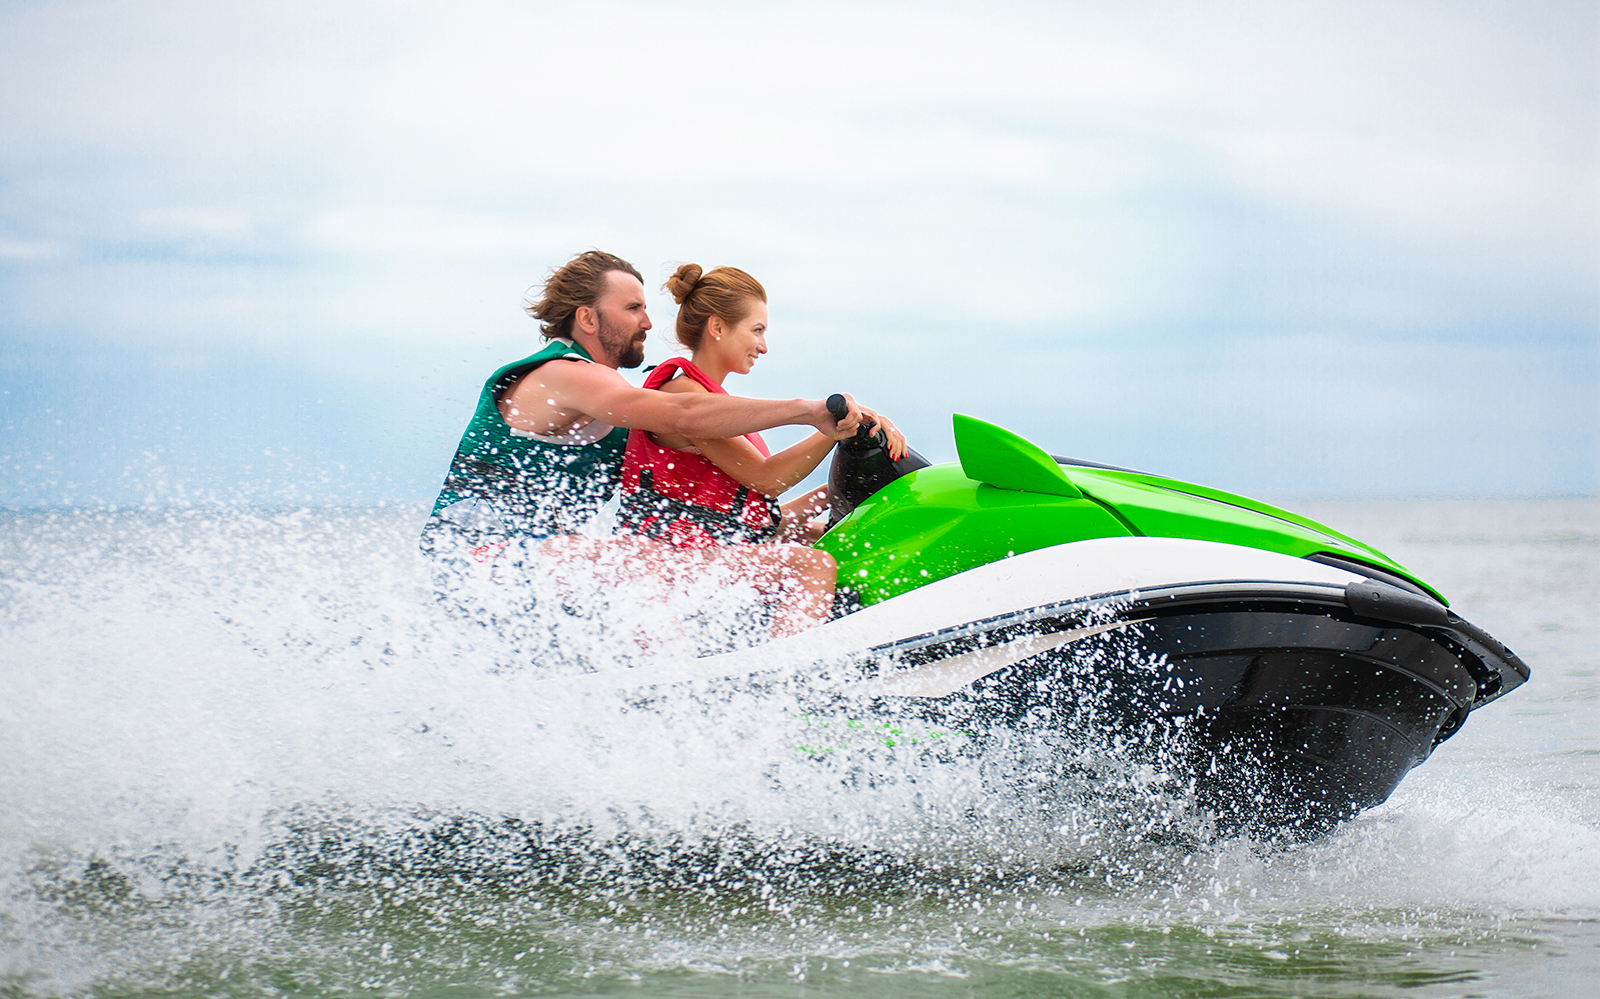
[{"x": 683, "y": 498}]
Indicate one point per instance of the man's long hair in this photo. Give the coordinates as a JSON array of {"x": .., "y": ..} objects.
[{"x": 578, "y": 282}]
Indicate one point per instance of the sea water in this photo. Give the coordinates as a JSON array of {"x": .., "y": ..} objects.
[{"x": 247, "y": 752}]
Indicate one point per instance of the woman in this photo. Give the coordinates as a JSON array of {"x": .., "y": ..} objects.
[{"x": 702, "y": 494}]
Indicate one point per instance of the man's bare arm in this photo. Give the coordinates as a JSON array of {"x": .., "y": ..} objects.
[{"x": 558, "y": 393}]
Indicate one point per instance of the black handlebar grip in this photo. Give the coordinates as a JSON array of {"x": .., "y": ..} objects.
[{"x": 838, "y": 407}]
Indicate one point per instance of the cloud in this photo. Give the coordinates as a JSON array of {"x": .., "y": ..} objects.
[
  {"x": 384, "y": 232},
  {"x": 184, "y": 222},
  {"x": 28, "y": 250},
  {"x": 329, "y": 183}
]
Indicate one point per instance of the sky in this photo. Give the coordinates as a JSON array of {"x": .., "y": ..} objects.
[{"x": 269, "y": 251}]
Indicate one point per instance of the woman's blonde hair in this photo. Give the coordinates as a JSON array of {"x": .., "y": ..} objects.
[{"x": 724, "y": 292}]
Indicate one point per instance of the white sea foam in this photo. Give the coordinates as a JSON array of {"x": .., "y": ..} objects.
[{"x": 195, "y": 704}]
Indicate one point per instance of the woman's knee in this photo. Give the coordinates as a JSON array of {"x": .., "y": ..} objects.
[{"x": 812, "y": 563}]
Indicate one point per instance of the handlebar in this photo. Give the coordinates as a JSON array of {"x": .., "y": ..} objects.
[
  {"x": 838, "y": 408},
  {"x": 861, "y": 464}
]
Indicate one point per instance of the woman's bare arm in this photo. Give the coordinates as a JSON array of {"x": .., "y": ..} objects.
[
  {"x": 772, "y": 476},
  {"x": 740, "y": 459}
]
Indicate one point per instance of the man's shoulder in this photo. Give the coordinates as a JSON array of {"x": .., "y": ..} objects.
[
  {"x": 557, "y": 349},
  {"x": 578, "y": 368},
  {"x": 573, "y": 380}
]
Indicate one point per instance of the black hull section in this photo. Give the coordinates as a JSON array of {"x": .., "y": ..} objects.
[{"x": 1287, "y": 711}]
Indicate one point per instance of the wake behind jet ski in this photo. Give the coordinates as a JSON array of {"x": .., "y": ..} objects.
[{"x": 1308, "y": 671}]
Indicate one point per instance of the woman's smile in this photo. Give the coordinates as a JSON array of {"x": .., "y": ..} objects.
[{"x": 740, "y": 345}]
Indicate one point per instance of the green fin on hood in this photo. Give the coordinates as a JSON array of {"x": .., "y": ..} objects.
[{"x": 1000, "y": 458}]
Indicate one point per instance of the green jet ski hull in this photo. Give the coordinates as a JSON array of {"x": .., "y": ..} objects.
[
  {"x": 1006, "y": 496},
  {"x": 1308, "y": 671}
]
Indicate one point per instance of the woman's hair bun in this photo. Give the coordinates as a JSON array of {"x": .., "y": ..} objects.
[{"x": 682, "y": 281}]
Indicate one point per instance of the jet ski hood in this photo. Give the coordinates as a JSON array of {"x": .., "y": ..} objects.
[{"x": 1007, "y": 496}]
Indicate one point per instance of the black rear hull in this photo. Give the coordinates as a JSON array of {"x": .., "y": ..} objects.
[{"x": 1286, "y": 708}]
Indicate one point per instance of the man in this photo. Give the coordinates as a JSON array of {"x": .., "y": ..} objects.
[{"x": 543, "y": 451}]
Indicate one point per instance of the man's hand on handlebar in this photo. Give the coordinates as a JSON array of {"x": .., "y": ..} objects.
[
  {"x": 832, "y": 423},
  {"x": 840, "y": 405},
  {"x": 894, "y": 440}
]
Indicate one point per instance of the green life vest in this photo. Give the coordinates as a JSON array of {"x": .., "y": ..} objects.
[{"x": 506, "y": 483}]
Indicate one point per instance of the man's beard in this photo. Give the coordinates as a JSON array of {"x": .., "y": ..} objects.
[{"x": 618, "y": 346}]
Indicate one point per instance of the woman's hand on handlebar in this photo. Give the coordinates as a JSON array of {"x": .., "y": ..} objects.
[{"x": 895, "y": 440}]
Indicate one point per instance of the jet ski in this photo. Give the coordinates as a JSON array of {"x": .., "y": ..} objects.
[{"x": 1308, "y": 672}]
